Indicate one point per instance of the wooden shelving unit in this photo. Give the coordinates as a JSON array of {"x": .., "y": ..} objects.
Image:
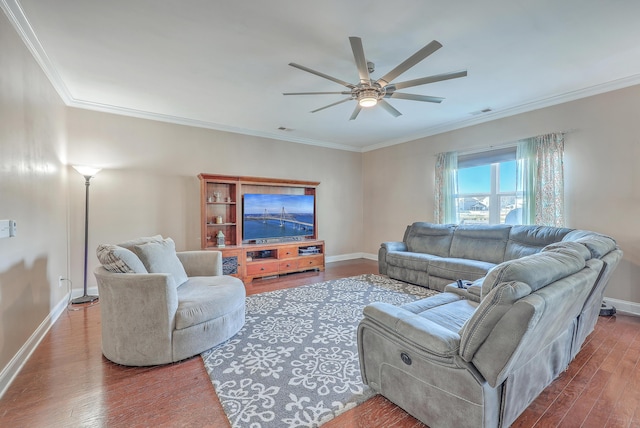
[{"x": 221, "y": 211}]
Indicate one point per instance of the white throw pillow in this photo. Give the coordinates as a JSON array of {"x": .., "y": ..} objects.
[{"x": 160, "y": 257}]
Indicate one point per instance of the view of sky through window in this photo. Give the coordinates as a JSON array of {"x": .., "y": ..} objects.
[{"x": 477, "y": 179}]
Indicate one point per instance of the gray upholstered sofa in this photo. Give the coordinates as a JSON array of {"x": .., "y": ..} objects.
[
  {"x": 160, "y": 306},
  {"x": 478, "y": 356},
  {"x": 435, "y": 255}
]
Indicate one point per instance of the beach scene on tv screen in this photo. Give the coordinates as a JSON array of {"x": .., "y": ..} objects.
[{"x": 277, "y": 216}]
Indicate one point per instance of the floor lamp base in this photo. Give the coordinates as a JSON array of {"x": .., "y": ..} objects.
[{"x": 84, "y": 299}]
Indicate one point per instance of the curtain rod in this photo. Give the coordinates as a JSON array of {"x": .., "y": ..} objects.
[{"x": 474, "y": 150}]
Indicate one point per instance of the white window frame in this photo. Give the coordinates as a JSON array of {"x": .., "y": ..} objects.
[{"x": 493, "y": 158}]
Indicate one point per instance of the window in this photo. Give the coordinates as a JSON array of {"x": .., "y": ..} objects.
[
  {"x": 481, "y": 187},
  {"x": 487, "y": 187}
]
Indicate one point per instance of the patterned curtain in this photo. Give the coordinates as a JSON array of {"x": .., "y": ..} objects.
[
  {"x": 525, "y": 178},
  {"x": 446, "y": 188},
  {"x": 540, "y": 179}
]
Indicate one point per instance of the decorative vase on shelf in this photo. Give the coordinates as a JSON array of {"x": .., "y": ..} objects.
[{"x": 220, "y": 238}]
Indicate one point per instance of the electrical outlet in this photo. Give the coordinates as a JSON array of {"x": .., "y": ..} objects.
[{"x": 60, "y": 280}]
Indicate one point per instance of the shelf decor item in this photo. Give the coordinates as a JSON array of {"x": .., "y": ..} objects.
[
  {"x": 220, "y": 238},
  {"x": 88, "y": 173}
]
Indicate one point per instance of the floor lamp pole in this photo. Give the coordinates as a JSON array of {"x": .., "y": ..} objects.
[{"x": 85, "y": 298}]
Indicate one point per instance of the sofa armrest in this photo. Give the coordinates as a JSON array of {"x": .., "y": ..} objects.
[
  {"x": 472, "y": 292},
  {"x": 425, "y": 334},
  {"x": 137, "y": 316},
  {"x": 201, "y": 262},
  {"x": 394, "y": 246},
  {"x": 385, "y": 247}
]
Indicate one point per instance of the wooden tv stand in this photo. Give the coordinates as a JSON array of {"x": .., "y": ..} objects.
[{"x": 251, "y": 261}]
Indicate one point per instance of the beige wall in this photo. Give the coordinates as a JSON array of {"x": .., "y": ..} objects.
[
  {"x": 32, "y": 192},
  {"x": 602, "y": 174},
  {"x": 149, "y": 184}
]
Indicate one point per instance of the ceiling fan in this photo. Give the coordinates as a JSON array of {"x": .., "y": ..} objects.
[{"x": 369, "y": 93}]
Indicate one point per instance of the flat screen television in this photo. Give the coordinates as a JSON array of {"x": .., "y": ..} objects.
[{"x": 277, "y": 217}]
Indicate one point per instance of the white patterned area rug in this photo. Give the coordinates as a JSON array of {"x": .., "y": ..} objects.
[{"x": 295, "y": 362}]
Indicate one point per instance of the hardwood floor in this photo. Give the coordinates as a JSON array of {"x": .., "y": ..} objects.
[{"x": 68, "y": 383}]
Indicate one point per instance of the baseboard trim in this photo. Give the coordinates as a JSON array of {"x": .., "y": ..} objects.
[
  {"x": 631, "y": 308},
  {"x": 352, "y": 256},
  {"x": 11, "y": 370}
]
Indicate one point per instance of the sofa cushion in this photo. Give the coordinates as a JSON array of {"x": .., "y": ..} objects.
[
  {"x": 527, "y": 240},
  {"x": 407, "y": 260},
  {"x": 536, "y": 270},
  {"x": 160, "y": 257},
  {"x": 480, "y": 242},
  {"x": 454, "y": 268},
  {"x": 563, "y": 245},
  {"x": 430, "y": 238},
  {"x": 119, "y": 260},
  {"x": 487, "y": 314},
  {"x": 202, "y": 299},
  {"x": 598, "y": 245},
  {"x": 441, "y": 310}
]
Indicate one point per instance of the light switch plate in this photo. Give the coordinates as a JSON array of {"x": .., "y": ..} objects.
[{"x": 7, "y": 228}]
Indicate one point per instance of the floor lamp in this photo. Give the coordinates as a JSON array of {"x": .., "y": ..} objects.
[{"x": 88, "y": 172}]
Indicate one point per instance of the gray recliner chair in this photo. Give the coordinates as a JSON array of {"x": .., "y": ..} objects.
[{"x": 158, "y": 306}]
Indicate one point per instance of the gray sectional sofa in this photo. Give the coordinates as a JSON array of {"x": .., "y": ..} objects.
[{"x": 477, "y": 356}]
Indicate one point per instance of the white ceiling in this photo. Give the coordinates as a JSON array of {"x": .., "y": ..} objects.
[{"x": 224, "y": 64}]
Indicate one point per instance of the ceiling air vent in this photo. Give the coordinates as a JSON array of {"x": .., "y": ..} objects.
[{"x": 483, "y": 111}]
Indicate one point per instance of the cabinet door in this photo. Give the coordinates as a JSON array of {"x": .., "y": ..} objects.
[
  {"x": 231, "y": 262},
  {"x": 230, "y": 265}
]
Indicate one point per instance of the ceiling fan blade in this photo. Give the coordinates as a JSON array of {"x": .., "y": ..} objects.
[
  {"x": 317, "y": 93},
  {"x": 355, "y": 113},
  {"x": 326, "y": 76},
  {"x": 430, "y": 79},
  {"x": 388, "y": 107},
  {"x": 331, "y": 105},
  {"x": 409, "y": 62},
  {"x": 361, "y": 62},
  {"x": 414, "y": 97}
]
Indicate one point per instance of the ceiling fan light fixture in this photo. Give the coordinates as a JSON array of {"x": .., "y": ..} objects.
[{"x": 368, "y": 98}]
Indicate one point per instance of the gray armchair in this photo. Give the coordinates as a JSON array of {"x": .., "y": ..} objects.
[{"x": 151, "y": 318}]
